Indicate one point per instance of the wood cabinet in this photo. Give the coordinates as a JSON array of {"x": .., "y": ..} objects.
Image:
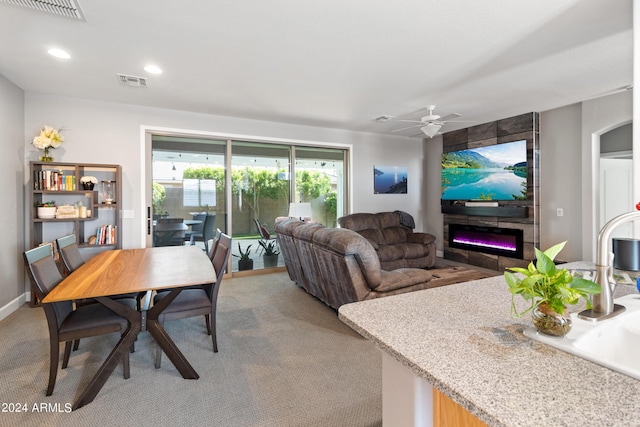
[{"x": 60, "y": 182}]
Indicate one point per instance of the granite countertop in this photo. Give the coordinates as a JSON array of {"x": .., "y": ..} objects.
[{"x": 462, "y": 339}]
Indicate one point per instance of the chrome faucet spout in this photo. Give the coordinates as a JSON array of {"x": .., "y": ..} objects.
[{"x": 603, "y": 306}]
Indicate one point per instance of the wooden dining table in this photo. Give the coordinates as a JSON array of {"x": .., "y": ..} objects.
[{"x": 124, "y": 271}]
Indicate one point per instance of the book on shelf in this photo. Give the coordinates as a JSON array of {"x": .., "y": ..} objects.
[
  {"x": 106, "y": 235},
  {"x": 50, "y": 180}
]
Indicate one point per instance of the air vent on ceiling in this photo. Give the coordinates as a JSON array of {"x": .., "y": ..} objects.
[
  {"x": 132, "y": 80},
  {"x": 66, "y": 8}
]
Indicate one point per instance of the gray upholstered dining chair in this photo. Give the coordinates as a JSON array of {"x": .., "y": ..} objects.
[
  {"x": 169, "y": 232},
  {"x": 198, "y": 301},
  {"x": 72, "y": 260},
  {"x": 69, "y": 252},
  {"x": 208, "y": 227},
  {"x": 65, "y": 324}
]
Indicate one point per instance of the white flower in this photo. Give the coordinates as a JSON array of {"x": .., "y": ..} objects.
[
  {"x": 89, "y": 179},
  {"x": 48, "y": 137}
]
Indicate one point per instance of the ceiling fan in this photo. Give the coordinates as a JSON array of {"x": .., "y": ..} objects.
[{"x": 430, "y": 124}]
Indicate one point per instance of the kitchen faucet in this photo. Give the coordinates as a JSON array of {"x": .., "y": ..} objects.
[{"x": 603, "y": 306}]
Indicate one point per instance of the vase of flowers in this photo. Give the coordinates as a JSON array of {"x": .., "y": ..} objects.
[{"x": 48, "y": 138}]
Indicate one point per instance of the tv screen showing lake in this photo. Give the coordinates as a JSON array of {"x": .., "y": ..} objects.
[{"x": 496, "y": 172}]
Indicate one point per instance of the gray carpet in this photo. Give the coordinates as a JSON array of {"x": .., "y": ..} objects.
[{"x": 285, "y": 360}]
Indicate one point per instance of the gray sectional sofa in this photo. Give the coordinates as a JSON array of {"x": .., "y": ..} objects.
[{"x": 339, "y": 266}]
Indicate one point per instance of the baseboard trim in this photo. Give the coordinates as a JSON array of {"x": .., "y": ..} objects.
[
  {"x": 12, "y": 306},
  {"x": 440, "y": 254}
]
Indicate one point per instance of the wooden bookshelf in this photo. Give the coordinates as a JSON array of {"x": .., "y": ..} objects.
[{"x": 60, "y": 182}]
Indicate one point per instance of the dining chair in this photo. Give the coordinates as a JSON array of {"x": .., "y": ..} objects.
[
  {"x": 196, "y": 229},
  {"x": 198, "y": 301},
  {"x": 166, "y": 235},
  {"x": 213, "y": 244},
  {"x": 72, "y": 260},
  {"x": 69, "y": 252},
  {"x": 207, "y": 231},
  {"x": 65, "y": 324}
]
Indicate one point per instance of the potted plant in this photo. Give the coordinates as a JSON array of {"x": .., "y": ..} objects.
[
  {"x": 549, "y": 290},
  {"x": 271, "y": 252},
  {"x": 244, "y": 260},
  {"x": 47, "y": 210}
]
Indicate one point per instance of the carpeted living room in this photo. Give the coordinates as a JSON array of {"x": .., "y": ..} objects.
[
  {"x": 284, "y": 359},
  {"x": 293, "y": 213}
]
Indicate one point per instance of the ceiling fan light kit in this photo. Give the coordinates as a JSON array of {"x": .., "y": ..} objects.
[
  {"x": 431, "y": 129},
  {"x": 430, "y": 124}
]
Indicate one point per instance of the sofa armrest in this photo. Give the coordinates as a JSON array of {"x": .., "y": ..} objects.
[{"x": 423, "y": 238}]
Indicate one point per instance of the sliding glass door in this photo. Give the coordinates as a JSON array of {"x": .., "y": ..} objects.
[{"x": 247, "y": 186}]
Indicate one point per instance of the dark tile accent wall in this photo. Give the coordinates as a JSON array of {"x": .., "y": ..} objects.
[{"x": 525, "y": 126}]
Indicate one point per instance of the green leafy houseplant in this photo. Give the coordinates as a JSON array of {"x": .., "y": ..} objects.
[
  {"x": 544, "y": 284},
  {"x": 269, "y": 247}
]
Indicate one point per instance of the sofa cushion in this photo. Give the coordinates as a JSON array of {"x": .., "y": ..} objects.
[
  {"x": 366, "y": 224},
  {"x": 402, "y": 278}
]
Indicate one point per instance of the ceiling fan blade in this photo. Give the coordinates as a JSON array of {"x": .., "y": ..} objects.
[
  {"x": 449, "y": 117},
  {"x": 409, "y": 121},
  {"x": 408, "y": 127}
]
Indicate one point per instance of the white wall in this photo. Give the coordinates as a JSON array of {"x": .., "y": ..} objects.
[
  {"x": 12, "y": 167},
  {"x": 100, "y": 132}
]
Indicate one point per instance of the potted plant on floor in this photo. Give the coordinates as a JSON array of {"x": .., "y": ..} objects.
[
  {"x": 271, "y": 252},
  {"x": 244, "y": 259},
  {"x": 549, "y": 290}
]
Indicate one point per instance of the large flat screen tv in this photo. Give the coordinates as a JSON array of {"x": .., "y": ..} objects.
[{"x": 496, "y": 172}]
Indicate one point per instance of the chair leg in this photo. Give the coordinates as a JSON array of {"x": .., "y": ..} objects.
[
  {"x": 76, "y": 344},
  {"x": 67, "y": 353},
  {"x": 214, "y": 339},
  {"x": 54, "y": 353},
  {"x": 207, "y": 321},
  {"x": 125, "y": 366}
]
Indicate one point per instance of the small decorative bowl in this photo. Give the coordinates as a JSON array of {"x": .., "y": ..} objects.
[{"x": 88, "y": 185}]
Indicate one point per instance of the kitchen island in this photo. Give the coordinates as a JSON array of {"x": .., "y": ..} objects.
[{"x": 461, "y": 340}]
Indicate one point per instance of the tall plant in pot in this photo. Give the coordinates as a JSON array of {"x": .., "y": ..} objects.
[
  {"x": 271, "y": 252},
  {"x": 244, "y": 259},
  {"x": 549, "y": 291}
]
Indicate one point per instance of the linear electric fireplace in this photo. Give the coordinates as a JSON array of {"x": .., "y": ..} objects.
[{"x": 490, "y": 240}]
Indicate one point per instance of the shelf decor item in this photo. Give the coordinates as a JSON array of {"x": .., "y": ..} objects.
[
  {"x": 48, "y": 138},
  {"x": 108, "y": 188},
  {"x": 549, "y": 290},
  {"x": 88, "y": 182},
  {"x": 46, "y": 210}
]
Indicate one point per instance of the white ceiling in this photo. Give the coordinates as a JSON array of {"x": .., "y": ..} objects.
[{"x": 331, "y": 63}]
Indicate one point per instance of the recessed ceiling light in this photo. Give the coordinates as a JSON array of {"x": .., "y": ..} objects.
[
  {"x": 59, "y": 53},
  {"x": 152, "y": 69}
]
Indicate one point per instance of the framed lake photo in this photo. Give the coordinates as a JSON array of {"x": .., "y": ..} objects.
[{"x": 390, "y": 180}]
